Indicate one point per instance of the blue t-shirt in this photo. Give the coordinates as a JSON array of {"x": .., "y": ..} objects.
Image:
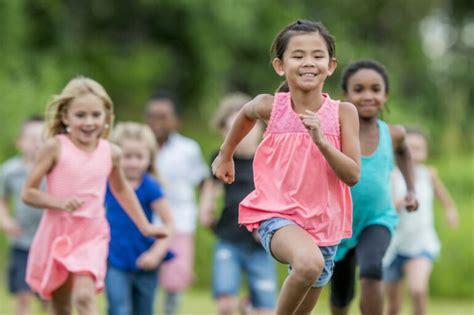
[{"x": 126, "y": 241}]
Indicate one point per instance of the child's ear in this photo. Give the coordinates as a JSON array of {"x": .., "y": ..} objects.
[
  {"x": 332, "y": 66},
  {"x": 277, "y": 64}
]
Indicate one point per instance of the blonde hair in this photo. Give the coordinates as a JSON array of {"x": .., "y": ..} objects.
[
  {"x": 137, "y": 132},
  {"x": 59, "y": 104},
  {"x": 230, "y": 104}
]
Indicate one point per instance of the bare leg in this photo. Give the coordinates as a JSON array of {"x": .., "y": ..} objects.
[
  {"x": 291, "y": 244},
  {"x": 418, "y": 274},
  {"x": 371, "y": 299},
  {"x": 83, "y": 295},
  {"x": 394, "y": 297},
  {"x": 309, "y": 302},
  {"x": 61, "y": 299},
  {"x": 23, "y": 302},
  {"x": 227, "y": 304}
]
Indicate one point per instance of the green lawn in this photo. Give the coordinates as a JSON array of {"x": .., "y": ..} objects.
[{"x": 199, "y": 302}]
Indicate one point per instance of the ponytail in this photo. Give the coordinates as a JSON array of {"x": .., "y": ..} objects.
[{"x": 283, "y": 87}]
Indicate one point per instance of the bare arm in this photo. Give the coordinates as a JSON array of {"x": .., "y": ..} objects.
[
  {"x": 209, "y": 193},
  {"x": 404, "y": 162},
  {"x": 31, "y": 193},
  {"x": 7, "y": 223},
  {"x": 345, "y": 163},
  {"x": 258, "y": 108},
  {"x": 127, "y": 199},
  {"x": 442, "y": 193},
  {"x": 154, "y": 255}
]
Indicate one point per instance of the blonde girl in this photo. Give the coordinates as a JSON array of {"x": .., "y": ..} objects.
[{"x": 67, "y": 261}]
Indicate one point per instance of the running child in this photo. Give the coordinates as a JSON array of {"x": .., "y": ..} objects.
[
  {"x": 303, "y": 168},
  {"x": 21, "y": 225},
  {"x": 415, "y": 244},
  {"x": 68, "y": 256},
  {"x": 134, "y": 259},
  {"x": 365, "y": 84},
  {"x": 237, "y": 251},
  {"x": 181, "y": 169}
]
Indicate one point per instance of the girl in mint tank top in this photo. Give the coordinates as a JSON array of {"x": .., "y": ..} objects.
[
  {"x": 68, "y": 256},
  {"x": 365, "y": 84},
  {"x": 303, "y": 167}
]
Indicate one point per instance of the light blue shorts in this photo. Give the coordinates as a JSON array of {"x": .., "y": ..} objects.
[
  {"x": 231, "y": 260},
  {"x": 393, "y": 272},
  {"x": 268, "y": 228}
]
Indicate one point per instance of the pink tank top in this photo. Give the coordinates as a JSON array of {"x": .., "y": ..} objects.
[
  {"x": 293, "y": 180},
  {"x": 81, "y": 174}
]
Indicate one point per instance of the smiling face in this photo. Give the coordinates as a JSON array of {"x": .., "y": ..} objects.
[
  {"x": 306, "y": 62},
  {"x": 136, "y": 158},
  {"x": 366, "y": 90},
  {"x": 85, "y": 119}
]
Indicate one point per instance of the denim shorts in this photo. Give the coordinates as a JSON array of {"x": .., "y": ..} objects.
[
  {"x": 231, "y": 259},
  {"x": 268, "y": 228},
  {"x": 393, "y": 272},
  {"x": 17, "y": 271}
]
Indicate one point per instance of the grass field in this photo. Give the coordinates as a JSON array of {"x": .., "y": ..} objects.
[{"x": 199, "y": 302}]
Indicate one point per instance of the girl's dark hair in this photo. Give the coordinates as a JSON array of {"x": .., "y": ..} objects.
[
  {"x": 301, "y": 26},
  {"x": 364, "y": 64},
  {"x": 280, "y": 43}
]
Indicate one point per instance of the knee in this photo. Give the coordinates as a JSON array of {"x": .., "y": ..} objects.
[
  {"x": 417, "y": 294},
  {"x": 307, "y": 268},
  {"x": 84, "y": 299},
  {"x": 371, "y": 269}
]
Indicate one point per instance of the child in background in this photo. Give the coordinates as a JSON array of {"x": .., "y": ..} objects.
[
  {"x": 415, "y": 244},
  {"x": 237, "y": 250},
  {"x": 181, "y": 168},
  {"x": 133, "y": 261},
  {"x": 68, "y": 256},
  {"x": 365, "y": 84},
  {"x": 309, "y": 156},
  {"x": 22, "y": 226}
]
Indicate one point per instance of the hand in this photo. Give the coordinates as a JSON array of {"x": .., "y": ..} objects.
[
  {"x": 148, "y": 261},
  {"x": 311, "y": 122},
  {"x": 223, "y": 169},
  {"x": 411, "y": 204},
  {"x": 11, "y": 228},
  {"x": 155, "y": 231},
  {"x": 71, "y": 204},
  {"x": 452, "y": 218},
  {"x": 206, "y": 218}
]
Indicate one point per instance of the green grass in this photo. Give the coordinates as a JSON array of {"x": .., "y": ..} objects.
[{"x": 199, "y": 302}]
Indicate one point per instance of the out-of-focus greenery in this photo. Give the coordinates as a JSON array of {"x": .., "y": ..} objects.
[{"x": 199, "y": 50}]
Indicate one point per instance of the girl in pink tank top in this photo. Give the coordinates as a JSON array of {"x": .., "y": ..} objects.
[
  {"x": 303, "y": 168},
  {"x": 67, "y": 260}
]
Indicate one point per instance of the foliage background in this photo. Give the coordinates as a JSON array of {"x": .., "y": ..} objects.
[{"x": 199, "y": 50}]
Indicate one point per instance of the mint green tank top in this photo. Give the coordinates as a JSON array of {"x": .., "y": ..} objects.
[{"x": 372, "y": 195}]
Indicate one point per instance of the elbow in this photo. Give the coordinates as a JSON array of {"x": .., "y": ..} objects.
[
  {"x": 26, "y": 196},
  {"x": 353, "y": 178}
]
